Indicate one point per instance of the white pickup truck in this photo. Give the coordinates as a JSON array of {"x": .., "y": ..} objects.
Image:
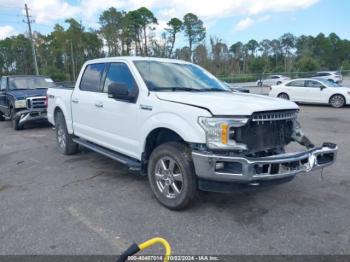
[{"x": 176, "y": 123}]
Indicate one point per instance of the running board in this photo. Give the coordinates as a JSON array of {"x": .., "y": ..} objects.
[{"x": 133, "y": 164}]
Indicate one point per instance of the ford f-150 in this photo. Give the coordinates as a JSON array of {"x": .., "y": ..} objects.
[{"x": 176, "y": 123}]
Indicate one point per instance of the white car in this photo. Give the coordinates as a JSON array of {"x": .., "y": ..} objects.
[
  {"x": 309, "y": 90},
  {"x": 272, "y": 80},
  {"x": 177, "y": 124},
  {"x": 332, "y": 76}
]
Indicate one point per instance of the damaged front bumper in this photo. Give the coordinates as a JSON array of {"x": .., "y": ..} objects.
[
  {"x": 222, "y": 168},
  {"x": 25, "y": 116}
]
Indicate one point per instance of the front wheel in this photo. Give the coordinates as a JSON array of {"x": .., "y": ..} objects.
[
  {"x": 2, "y": 118},
  {"x": 171, "y": 175},
  {"x": 337, "y": 101},
  {"x": 64, "y": 140},
  {"x": 15, "y": 120}
]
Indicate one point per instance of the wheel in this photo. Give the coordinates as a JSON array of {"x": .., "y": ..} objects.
[
  {"x": 283, "y": 96},
  {"x": 337, "y": 101},
  {"x": 260, "y": 84},
  {"x": 2, "y": 118},
  {"x": 15, "y": 120},
  {"x": 64, "y": 140},
  {"x": 171, "y": 175}
]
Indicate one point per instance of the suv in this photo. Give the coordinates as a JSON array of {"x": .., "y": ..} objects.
[
  {"x": 272, "y": 80},
  {"x": 332, "y": 76},
  {"x": 23, "y": 98},
  {"x": 177, "y": 124}
]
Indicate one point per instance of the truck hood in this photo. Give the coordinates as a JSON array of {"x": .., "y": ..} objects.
[
  {"x": 226, "y": 103},
  {"x": 23, "y": 94}
]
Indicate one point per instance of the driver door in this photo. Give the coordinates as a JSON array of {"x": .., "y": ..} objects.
[{"x": 3, "y": 99}]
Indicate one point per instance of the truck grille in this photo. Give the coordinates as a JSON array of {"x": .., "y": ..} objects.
[
  {"x": 36, "y": 102},
  {"x": 266, "y": 130}
]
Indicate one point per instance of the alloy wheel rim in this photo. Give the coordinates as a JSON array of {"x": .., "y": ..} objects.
[
  {"x": 337, "y": 101},
  {"x": 61, "y": 138},
  {"x": 169, "y": 178}
]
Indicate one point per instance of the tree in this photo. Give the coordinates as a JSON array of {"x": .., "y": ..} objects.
[
  {"x": 174, "y": 27},
  {"x": 193, "y": 29},
  {"x": 252, "y": 46},
  {"x": 287, "y": 43},
  {"x": 307, "y": 64},
  {"x": 144, "y": 20},
  {"x": 111, "y": 30}
]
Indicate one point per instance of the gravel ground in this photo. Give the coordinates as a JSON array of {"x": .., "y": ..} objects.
[{"x": 89, "y": 204}]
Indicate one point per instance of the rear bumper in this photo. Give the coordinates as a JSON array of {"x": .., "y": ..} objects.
[
  {"x": 220, "y": 168},
  {"x": 25, "y": 116}
]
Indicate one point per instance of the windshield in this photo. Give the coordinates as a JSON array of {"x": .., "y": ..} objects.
[
  {"x": 165, "y": 76},
  {"x": 329, "y": 83},
  {"x": 30, "y": 82}
]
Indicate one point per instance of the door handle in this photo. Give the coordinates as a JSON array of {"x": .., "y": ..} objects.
[
  {"x": 99, "y": 104},
  {"x": 75, "y": 100}
]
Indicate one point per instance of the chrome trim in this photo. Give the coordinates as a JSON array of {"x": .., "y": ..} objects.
[
  {"x": 274, "y": 116},
  {"x": 289, "y": 164},
  {"x": 40, "y": 99}
]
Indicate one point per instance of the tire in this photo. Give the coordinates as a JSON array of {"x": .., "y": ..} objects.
[
  {"x": 283, "y": 96},
  {"x": 64, "y": 140},
  {"x": 337, "y": 101},
  {"x": 15, "y": 121},
  {"x": 171, "y": 175},
  {"x": 260, "y": 84},
  {"x": 2, "y": 118}
]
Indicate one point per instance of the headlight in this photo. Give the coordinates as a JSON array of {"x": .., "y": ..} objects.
[
  {"x": 20, "y": 104},
  {"x": 217, "y": 131}
]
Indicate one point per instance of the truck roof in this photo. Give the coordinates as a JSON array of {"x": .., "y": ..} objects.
[{"x": 135, "y": 58}]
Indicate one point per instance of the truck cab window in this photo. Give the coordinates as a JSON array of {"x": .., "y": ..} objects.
[
  {"x": 120, "y": 73},
  {"x": 3, "y": 84},
  {"x": 91, "y": 78}
]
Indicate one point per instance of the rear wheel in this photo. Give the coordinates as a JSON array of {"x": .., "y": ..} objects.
[
  {"x": 283, "y": 96},
  {"x": 171, "y": 175},
  {"x": 64, "y": 140},
  {"x": 15, "y": 120},
  {"x": 260, "y": 84},
  {"x": 337, "y": 101}
]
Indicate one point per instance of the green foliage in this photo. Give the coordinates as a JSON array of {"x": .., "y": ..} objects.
[
  {"x": 194, "y": 29},
  {"x": 307, "y": 64}
]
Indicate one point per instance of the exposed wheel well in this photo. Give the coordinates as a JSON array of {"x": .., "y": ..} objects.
[
  {"x": 57, "y": 109},
  {"x": 157, "y": 137}
]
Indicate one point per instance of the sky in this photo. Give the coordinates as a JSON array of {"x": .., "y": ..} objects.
[{"x": 229, "y": 20}]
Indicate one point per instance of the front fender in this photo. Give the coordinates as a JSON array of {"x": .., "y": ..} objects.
[{"x": 188, "y": 129}]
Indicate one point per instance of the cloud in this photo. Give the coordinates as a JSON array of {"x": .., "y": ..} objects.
[
  {"x": 244, "y": 24},
  {"x": 249, "y": 22},
  {"x": 6, "y": 31}
]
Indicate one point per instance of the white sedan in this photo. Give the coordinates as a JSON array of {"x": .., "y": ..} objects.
[
  {"x": 312, "y": 91},
  {"x": 272, "y": 80}
]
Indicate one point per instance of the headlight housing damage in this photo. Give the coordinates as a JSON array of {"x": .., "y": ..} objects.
[{"x": 218, "y": 130}]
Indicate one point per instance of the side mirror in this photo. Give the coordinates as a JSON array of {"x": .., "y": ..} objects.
[
  {"x": 322, "y": 87},
  {"x": 119, "y": 91}
]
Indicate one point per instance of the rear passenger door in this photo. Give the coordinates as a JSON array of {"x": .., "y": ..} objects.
[{"x": 84, "y": 100}]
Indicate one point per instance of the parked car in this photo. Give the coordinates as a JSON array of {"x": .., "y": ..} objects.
[
  {"x": 312, "y": 90},
  {"x": 272, "y": 80},
  {"x": 176, "y": 123},
  {"x": 332, "y": 76},
  {"x": 23, "y": 98}
]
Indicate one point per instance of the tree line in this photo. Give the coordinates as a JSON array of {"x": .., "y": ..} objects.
[{"x": 62, "y": 52}]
